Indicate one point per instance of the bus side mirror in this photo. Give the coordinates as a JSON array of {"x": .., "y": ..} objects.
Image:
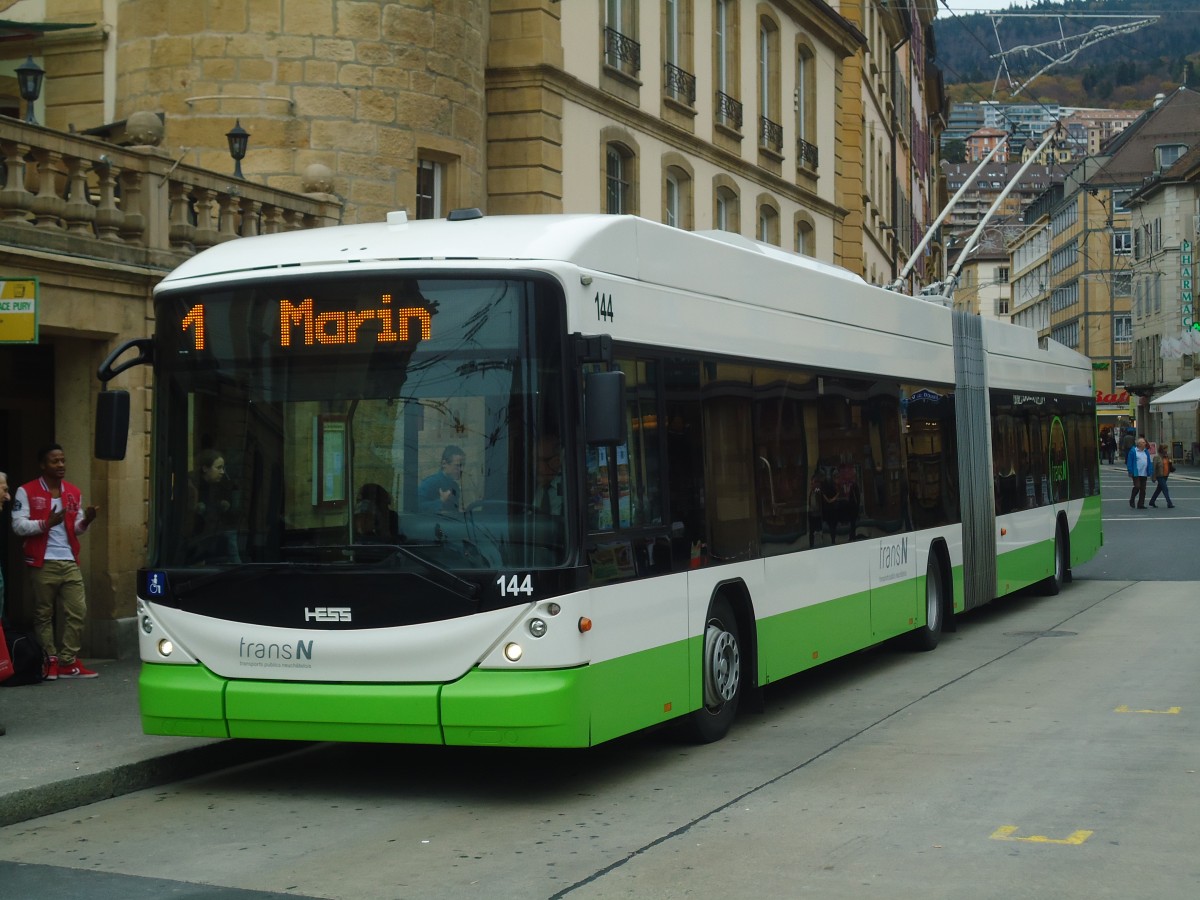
[
  {"x": 112, "y": 424},
  {"x": 604, "y": 408}
]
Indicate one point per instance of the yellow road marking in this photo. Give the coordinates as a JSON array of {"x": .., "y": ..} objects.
[
  {"x": 1169, "y": 711},
  {"x": 1007, "y": 832}
]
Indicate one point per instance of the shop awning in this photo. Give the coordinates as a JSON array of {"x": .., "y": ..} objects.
[
  {"x": 23, "y": 31},
  {"x": 1182, "y": 399}
]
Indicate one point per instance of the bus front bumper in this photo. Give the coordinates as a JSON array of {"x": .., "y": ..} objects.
[{"x": 531, "y": 708}]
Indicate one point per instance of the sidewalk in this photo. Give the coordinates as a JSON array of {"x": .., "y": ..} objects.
[{"x": 75, "y": 741}]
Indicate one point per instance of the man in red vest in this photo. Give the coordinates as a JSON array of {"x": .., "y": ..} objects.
[{"x": 48, "y": 513}]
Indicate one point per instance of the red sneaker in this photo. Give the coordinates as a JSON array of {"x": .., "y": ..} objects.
[
  {"x": 52, "y": 669},
  {"x": 75, "y": 670}
]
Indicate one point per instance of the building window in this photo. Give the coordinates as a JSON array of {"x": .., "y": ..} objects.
[
  {"x": 806, "y": 244},
  {"x": 430, "y": 179},
  {"x": 725, "y": 64},
  {"x": 677, "y": 197},
  {"x": 678, "y": 81},
  {"x": 621, "y": 48},
  {"x": 806, "y": 109},
  {"x": 1000, "y": 275},
  {"x": 619, "y": 173},
  {"x": 768, "y": 224},
  {"x": 1123, "y": 329},
  {"x": 725, "y": 209},
  {"x": 1122, "y": 243},
  {"x": 770, "y": 132},
  {"x": 1166, "y": 155}
]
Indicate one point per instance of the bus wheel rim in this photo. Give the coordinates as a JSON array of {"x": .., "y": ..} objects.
[{"x": 722, "y": 666}]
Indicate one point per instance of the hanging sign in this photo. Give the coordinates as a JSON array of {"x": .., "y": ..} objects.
[{"x": 18, "y": 310}]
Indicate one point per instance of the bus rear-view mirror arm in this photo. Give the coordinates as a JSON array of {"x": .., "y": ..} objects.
[{"x": 112, "y": 407}]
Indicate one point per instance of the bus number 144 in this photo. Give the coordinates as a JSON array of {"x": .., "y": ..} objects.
[
  {"x": 513, "y": 584},
  {"x": 604, "y": 307}
]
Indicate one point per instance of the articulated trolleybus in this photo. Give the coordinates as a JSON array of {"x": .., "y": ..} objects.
[{"x": 547, "y": 480}]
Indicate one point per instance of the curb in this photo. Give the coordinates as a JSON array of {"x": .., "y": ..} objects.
[{"x": 43, "y": 800}]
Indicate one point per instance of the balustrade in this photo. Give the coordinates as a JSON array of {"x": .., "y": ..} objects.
[{"x": 92, "y": 195}]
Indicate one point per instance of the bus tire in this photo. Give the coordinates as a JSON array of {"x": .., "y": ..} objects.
[
  {"x": 1050, "y": 587},
  {"x": 928, "y": 635},
  {"x": 721, "y": 673}
]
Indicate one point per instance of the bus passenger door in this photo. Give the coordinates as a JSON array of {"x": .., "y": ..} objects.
[{"x": 639, "y": 593}]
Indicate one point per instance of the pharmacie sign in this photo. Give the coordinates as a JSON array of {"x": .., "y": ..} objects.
[
  {"x": 18, "y": 310},
  {"x": 1186, "y": 293}
]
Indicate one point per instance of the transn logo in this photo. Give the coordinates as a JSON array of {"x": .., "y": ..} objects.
[{"x": 327, "y": 614}]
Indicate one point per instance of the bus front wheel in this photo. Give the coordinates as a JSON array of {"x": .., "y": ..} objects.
[{"x": 722, "y": 675}]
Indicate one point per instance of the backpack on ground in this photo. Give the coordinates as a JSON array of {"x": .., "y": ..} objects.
[{"x": 29, "y": 662}]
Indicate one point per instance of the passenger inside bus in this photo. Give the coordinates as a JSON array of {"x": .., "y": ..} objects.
[
  {"x": 213, "y": 517},
  {"x": 441, "y": 492},
  {"x": 375, "y": 522}
]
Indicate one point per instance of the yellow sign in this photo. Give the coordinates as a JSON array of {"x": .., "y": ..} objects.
[{"x": 18, "y": 310}]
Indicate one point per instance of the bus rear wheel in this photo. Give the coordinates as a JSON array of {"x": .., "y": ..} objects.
[
  {"x": 1051, "y": 586},
  {"x": 721, "y": 669}
]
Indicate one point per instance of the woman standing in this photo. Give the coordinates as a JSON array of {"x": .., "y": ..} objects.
[{"x": 1163, "y": 467}]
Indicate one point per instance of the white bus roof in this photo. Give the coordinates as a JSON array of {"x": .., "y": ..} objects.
[{"x": 625, "y": 246}]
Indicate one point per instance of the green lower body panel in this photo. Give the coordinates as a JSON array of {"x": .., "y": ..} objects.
[
  {"x": 519, "y": 708},
  {"x": 794, "y": 641},
  {"x": 522, "y": 708},
  {"x": 1087, "y": 537},
  {"x": 191, "y": 700},
  {"x": 182, "y": 700}
]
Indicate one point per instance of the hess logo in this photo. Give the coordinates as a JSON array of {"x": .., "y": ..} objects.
[{"x": 327, "y": 614}]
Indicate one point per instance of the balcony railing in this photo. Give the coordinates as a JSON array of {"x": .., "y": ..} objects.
[
  {"x": 77, "y": 195},
  {"x": 770, "y": 135},
  {"x": 806, "y": 154},
  {"x": 622, "y": 52},
  {"x": 680, "y": 84},
  {"x": 729, "y": 111}
]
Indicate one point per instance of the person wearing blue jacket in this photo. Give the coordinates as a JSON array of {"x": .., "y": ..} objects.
[{"x": 1140, "y": 465}]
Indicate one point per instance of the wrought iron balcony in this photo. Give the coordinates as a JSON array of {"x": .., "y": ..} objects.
[
  {"x": 770, "y": 135},
  {"x": 622, "y": 52},
  {"x": 806, "y": 154},
  {"x": 729, "y": 111},
  {"x": 680, "y": 84}
]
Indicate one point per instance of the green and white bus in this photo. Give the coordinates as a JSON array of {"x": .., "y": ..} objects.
[{"x": 547, "y": 480}]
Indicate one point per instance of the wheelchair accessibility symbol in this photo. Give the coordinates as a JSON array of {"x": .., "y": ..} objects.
[{"x": 155, "y": 583}]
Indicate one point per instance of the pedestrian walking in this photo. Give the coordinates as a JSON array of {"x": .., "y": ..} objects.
[
  {"x": 1140, "y": 467},
  {"x": 1163, "y": 467},
  {"x": 49, "y": 514}
]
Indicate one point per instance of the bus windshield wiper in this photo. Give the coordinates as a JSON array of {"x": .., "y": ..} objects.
[{"x": 466, "y": 589}]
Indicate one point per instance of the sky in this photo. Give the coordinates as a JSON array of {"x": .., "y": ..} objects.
[{"x": 962, "y": 7}]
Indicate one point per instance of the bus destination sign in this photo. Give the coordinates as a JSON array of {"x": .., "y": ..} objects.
[{"x": 300, "y": 325}]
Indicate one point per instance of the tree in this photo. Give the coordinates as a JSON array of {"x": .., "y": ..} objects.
[{"x": 955, "y": 151}]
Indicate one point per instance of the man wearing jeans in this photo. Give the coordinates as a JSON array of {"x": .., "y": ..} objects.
[
  {"x": 1140, "y": 467},
  {"x": 48, "y": 513}
]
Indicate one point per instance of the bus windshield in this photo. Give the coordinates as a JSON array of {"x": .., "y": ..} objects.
[{"x": 377, "y": 419}]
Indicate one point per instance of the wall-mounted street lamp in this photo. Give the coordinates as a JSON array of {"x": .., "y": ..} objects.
[
  {"x": 239, "y": 140},
  {"x": 29, "y": 83}
]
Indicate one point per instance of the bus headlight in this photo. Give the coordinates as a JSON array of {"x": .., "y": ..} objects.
[
  {"x": 513, "y": 652},
  {"x": 537, "y": 627},
  {"x": 165, "y": 647},
  {"x": 147, "y": 625}
]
